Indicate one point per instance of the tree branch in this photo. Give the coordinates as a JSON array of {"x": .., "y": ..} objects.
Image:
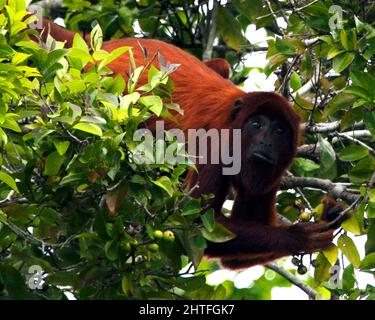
[
  {"x": 293, "y": 279},
  {"x": 335, "y": 190},
  {"x": 309, "y": 151},
  {"x": 321, "y": 127}
]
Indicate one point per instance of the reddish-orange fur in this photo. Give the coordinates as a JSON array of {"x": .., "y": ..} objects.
[
  {"x": 201, "y": 92},
  {"x": 221, "y": 66}
]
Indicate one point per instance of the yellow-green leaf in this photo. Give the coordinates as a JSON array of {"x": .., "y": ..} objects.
[
  {"x": 89, "y": 128},
  {"x": 342, "y": 61},
  {"x": 368, "y": 262},
  {"x": 349, "y": 249},
  {"x": 61, "y": 146},
  {"x": 166, "y": 184},
  {"x": 53, "y": 164},
  {"x": 352, "y": 225},
  {"x": 153, "y": 102},
  {"x": 7, "y": 179},
  {"x": 218, "y": 234},
  {"x": 331, "y": 254}
]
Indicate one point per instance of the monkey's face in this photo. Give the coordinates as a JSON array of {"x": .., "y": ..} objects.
[{"x": 267, "y": 149}]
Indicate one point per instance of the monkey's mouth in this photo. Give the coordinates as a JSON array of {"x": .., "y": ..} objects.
[{"x": 263, "y": 158}]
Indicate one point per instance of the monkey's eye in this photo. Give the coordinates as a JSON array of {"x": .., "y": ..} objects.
[
  {"x": 256, "y": 124},
  {"x": 279, "y": 130}
]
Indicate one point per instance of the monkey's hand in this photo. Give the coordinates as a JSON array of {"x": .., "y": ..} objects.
[{"x": 333, "y": 213}]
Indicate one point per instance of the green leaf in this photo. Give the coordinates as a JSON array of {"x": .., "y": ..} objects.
[
  {"x": 111, "y": 250},
  {"x": 113, "y": 56},
  {"x": 127, "y": 285},
  {"x": 5, "y": 51},
  {"x": 358, "y": 91},
  {"x": 190, "y": 207},
  {"x": 364, "y": 80},
  {"x": 342, "y": 61},
  {"x": 11, "y": 124},
  {"x": 80, "y": 43},
  {"x": 81, "y": 55},
  {"x": 327, "y": 154},
  {"x": 369, "y": 119},
  {"x": 353, "y": 153},
  {"x": 53, "y": 164},
  {"x": 333, "y": 52},
  {"x": 20, "y": 57},
  {"x": 218, "y": 234},
  {"x": 130, "y": 99},
  {"x": 349, "y": 249},
  {"x": 7, "y": 179},
  {"x": 230, "y": 29},
  {"x": 352, "y": 225},
  {"x": 76, "y": 86},
  {"x": 13, "y": 282},
  {"x": 295, "y": 81},
  {"x": 339, "y": 102},
  {"x": 362, "y": 171},
  {"x": 166, "y": 184},
  {"x": 191, "y": 283},
  {"x": 208, "y": 220},
  {"x": 284, "y": 47},
  {"x": 350, "y": 117},
  {"x": 93, "y": 119},
  {"x": 3, "y": 136},
  {"x": 348, "y": 278},
  {"x": 61, "y": 146},
  {"x": 96, "y": 38},
  {"x": 368, "y": 262},
  {"x": 153, "y": 102},
  {"x": 344, "y": 39},
  {"x": 321, "y": 272},
  {"x": 302, "y": 165},
  {"x": 331, "y": 254},
  {"x": 89, "y": 128}
]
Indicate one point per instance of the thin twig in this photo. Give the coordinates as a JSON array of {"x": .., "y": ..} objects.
[
  {"x": 293, "y": 279},
  {"x": 207, "y": 54},
  {"x": 33, "y": 240},
  {"x": 148, "y": 212},
  {"x": 356, "y": 141},
  {"x": 274, "y": 17}
]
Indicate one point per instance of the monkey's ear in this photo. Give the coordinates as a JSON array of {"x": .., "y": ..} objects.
[
  {"x": 236, "y": 109},
  {"x": 220, "y": 66}
]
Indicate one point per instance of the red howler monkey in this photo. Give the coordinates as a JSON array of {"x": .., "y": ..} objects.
[{"x": 269, "y": 139}]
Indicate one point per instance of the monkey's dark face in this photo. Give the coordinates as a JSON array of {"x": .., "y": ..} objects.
[{"x": 267, "y": 149}]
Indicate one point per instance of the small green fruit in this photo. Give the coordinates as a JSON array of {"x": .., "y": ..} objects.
[
  {"x": 158, "y": 234},
  {"x": 126, "y": 246},
  {"x": 296, "y": 261},
  {"x": 302, "y": 269},
  {"x": 168, "y": 235},
  {"x": 305, "y": 216},
  {"x": 153, "y": 247}
]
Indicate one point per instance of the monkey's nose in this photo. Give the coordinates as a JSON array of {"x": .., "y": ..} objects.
[{"x": 265, "y": 143}]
